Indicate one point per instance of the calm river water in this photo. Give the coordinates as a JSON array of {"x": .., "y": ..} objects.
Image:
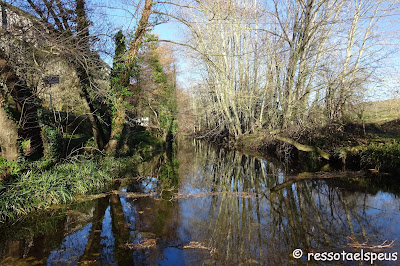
[{"x": 203, "y": 205}]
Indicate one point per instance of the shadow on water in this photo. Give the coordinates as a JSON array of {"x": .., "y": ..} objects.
[{"x": 201, "y": 205}]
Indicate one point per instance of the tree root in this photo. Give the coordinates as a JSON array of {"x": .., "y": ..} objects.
[{"x": 302, "y": 147}]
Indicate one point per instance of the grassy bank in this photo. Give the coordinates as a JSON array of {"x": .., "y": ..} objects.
[
  {"x": 380, "y": 111},
  {"x": 26, "y": 186},
  {"x": 352, "y": 145},
  {"x": 38, "y": 189}
]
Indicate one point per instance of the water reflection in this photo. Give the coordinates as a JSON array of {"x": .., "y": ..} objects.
[{"x": 202, "y": 205}]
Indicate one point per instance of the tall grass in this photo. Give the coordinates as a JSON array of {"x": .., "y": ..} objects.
[{"x": 37, "y": 189}]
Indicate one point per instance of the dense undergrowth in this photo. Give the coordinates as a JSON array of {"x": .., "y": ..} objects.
[
  {"x": 30, "y": 185},
  {"x": 37, "y": 188},
  {"x": 383, "y": 156}
]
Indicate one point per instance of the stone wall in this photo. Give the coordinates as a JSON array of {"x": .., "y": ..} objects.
[{"x": 28, "y": 45}]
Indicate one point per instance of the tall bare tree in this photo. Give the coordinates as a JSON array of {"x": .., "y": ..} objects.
[{"x": 277, "y": 64}]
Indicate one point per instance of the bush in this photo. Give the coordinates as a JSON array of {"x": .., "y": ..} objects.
[
  {"x": 382, "y": 156},
  {"x": 52, "y": 142}
]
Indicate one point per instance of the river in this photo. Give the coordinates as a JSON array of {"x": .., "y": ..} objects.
[{"x": 204, "y": 205}]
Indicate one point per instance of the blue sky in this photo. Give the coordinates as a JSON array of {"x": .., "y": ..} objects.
[{"x": 122, "y": 17}]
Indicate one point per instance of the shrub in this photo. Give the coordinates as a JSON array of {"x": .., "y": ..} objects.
[
  {"x": 52, "y": 142},
  {"x": 382, "y": 156}
]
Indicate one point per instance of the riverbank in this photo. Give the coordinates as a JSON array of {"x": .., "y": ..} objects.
[
  {"x": 352, "y": 145},
  {"x": 151, "y": 221},
  {"x": 40, "y": 184},
  {"x": 26, "y": 186},
  {"x": 39, "y": 188}
]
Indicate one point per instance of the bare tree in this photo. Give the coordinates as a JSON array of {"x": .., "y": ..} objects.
[
  {"x": 58, "y": 31},
  {"x": 276, "y": 64}
]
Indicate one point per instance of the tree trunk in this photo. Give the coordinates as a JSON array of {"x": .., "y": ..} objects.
[
  {"x": 141, "y": 29},
  {"x": 25, "y": 99},
  {"x": 303, "y": 147},
  {"x": 117, "y": 124},
  {"x": 85, "y": 72},
  {"x": 117, "y": 127},
  {"x": 97, "y": 130},
  {"x": 8, "y": 136}
]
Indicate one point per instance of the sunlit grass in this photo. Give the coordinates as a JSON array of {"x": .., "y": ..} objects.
[
  {"x": 38, "y": 189},
  {"x": 381, "y": 111}
]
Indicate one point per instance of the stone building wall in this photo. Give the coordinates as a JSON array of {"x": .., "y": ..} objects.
[{"x": 27, "y": 43}]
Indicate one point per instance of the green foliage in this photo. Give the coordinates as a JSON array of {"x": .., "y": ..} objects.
[
  {"x": 9, "y": 168},
  {"x": 123, "y": 69},
  {"x": 383, "y": 156},
  {"x": 120, "y": 46},
  {"x": 42, "y": 164},
  {"x": 150, "y": 38},
  {"x": 25, "y": 144},
  {"x": 52, "y": 142},
  {"x": 38, "y": 189}
]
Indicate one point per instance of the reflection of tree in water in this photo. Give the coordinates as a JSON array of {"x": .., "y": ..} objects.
[
  {"x": 131, "y": 222},
  {"x": 236, "y": 218},
  {"x": 39, "y": 234},
  {"x": 235, "y": 227},
  {"x": 93, "y": 245},
  {"x": 163, "y": 173},
  {"x": 141, "y": 228},
  {"x": 159, "y": 218},
  {"x": 267, "y": 226}
]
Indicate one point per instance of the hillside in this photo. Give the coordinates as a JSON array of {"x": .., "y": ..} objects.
[{"x": 381, "y": 112}]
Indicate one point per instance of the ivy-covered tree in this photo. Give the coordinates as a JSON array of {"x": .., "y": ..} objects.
[
  {"x": 158, "y": 87},
  {"x": 122, "y": 72},
  {"x": 119, "y": 98}
]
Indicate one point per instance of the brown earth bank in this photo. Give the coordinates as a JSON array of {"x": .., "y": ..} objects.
[{"x": 357, "y": 146}]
